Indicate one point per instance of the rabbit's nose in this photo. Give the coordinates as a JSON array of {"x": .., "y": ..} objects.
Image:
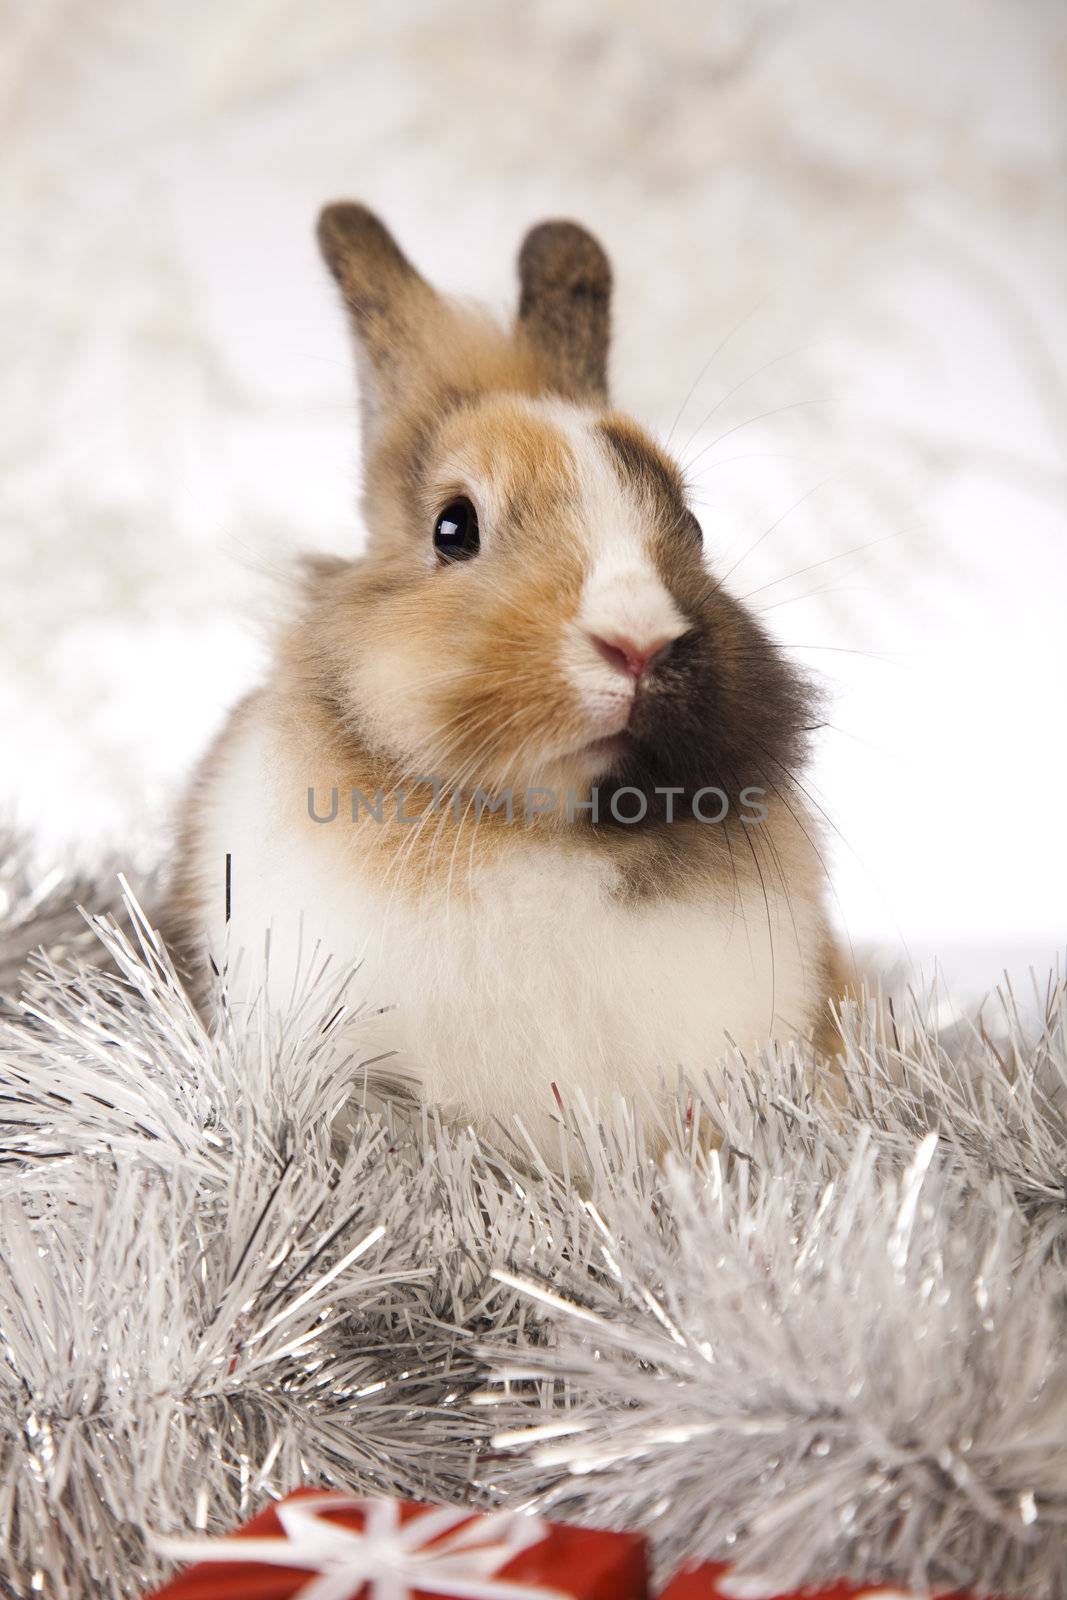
[{"x": 629, "y": 657}]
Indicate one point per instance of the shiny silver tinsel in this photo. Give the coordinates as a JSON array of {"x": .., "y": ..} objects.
[{"x": 811, "y": 1329}]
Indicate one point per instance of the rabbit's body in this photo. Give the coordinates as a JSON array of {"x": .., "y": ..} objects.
[
  {"x": 508, "y": 957},
  {"x": 532, "y": 632}
]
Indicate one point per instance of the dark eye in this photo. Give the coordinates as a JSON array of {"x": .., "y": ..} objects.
[{"x": 455, "y": 533}]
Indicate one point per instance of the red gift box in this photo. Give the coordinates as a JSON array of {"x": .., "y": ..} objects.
[{"x": 331, "y": 1546}]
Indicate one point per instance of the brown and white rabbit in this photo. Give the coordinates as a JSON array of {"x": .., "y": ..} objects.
[{"x": 534, "y": 614}]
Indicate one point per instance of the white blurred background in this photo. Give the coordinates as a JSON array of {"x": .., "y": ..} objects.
[{"x": 840, "y": 241}]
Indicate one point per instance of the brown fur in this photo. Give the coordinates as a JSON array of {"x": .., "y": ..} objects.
[
  {"x": 647, "y": 468},
  {"x": 565, "y": 306}
]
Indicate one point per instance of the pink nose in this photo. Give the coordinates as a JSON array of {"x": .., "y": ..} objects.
[{"x": 632, "y": 659}]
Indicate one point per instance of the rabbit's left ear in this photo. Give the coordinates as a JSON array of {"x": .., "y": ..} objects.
[
  {"x": 565, "y": 306},
  {"x": 393, "y": 310}
]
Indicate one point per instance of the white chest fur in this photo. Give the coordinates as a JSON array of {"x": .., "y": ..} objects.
[{"x": 526, "y": 970}]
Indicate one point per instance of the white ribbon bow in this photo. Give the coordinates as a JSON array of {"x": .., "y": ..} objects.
[{"x": 389, "y": 1557}]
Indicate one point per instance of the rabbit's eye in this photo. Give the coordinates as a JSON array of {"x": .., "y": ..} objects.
[{"x": 455, "y": 533}]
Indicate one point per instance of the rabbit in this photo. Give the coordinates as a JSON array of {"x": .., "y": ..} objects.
[{"x": 487, "y": 772}]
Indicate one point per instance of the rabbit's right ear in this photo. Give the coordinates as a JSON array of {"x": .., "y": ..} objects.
[
  {"x": 565, "y": 306},
  {"x": 392, "y": 308}
]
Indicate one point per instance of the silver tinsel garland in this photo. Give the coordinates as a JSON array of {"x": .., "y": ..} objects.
[{"x": 809, "y": 1327}]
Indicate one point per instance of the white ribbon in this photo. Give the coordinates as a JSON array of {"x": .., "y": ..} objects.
[{"x": 389, "y": 1557}]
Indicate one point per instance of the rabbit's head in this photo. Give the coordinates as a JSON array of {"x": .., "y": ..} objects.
[{"x": 534, "y": 605}]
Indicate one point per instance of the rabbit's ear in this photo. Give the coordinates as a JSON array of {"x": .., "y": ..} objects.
[
  {"x": 565, "y": 306},
  {"x": 392, "y": 308}
]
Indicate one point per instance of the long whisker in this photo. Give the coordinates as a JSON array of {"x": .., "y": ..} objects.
[
  {"x": 775, "y": 361},
  {"x": 775, "y": 411},
  {"x": 826, "y": 560},
  {"x": 792, "y": 778},
  {"x": 702, "y": 374},
  {"x": 777, "y": 523},
  {"x": 891, "y": 660},
  {"x": 799, "y": 820},
  {"x": 813, "y": 594}
]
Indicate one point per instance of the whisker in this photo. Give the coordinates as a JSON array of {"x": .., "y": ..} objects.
[
  {"x": 719, "y": 348},
  {"x": 821, "y": 859},
  {"x": 775, "y": 361},
  {"x": 813, "y": 594},
  {"x": 891, "y": 659},
  {"x": 777, "y": 523},
  {"x": 776, "y": 411},
  {"x": 792, "y": 778},
  {"x": 898, "y": 533}
]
